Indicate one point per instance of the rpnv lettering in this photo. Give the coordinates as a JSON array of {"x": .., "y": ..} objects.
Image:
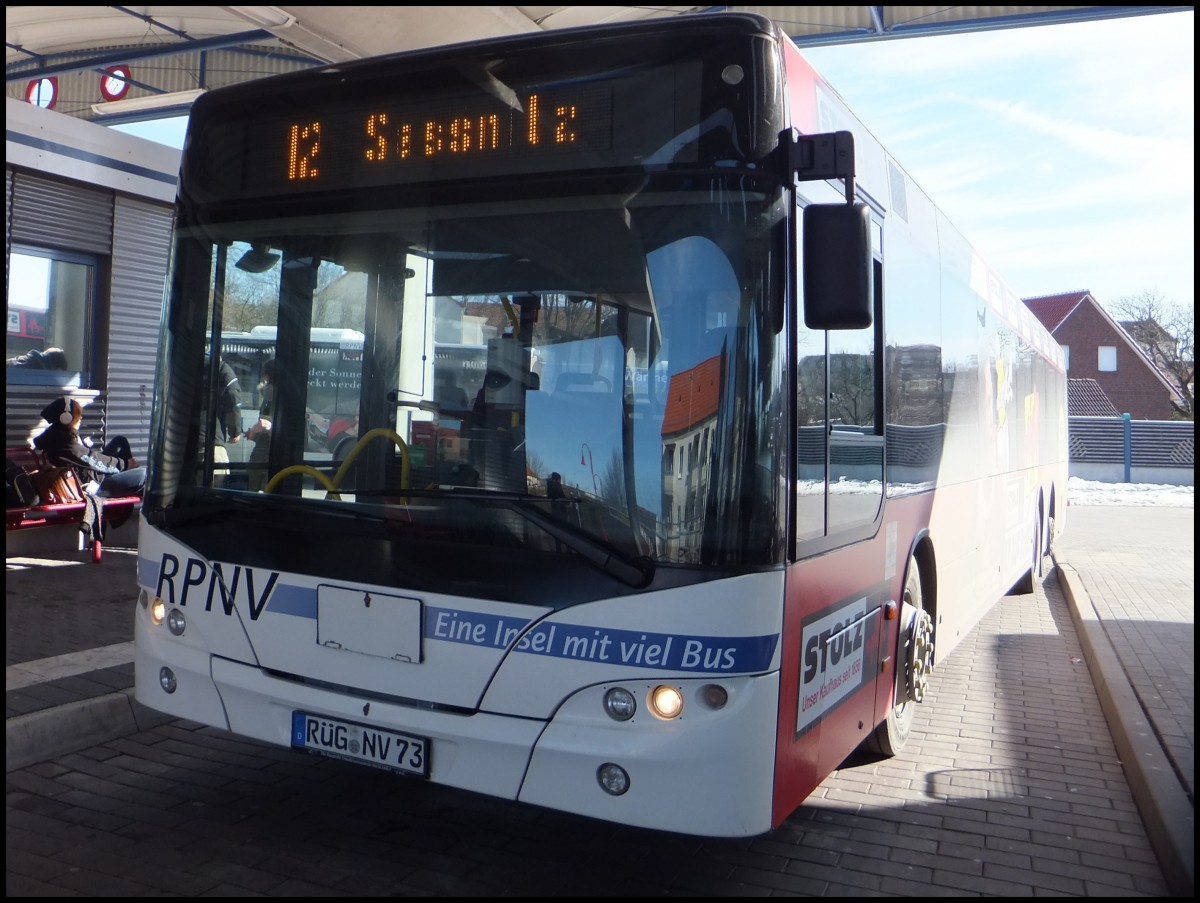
[{"x": 178, "y": 583}]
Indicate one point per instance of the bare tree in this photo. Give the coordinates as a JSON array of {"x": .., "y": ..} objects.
[
  {"x": 851, "y": 389},
  {"x": 250, "y": 300},
  {"x": 1166, "y": 331}
]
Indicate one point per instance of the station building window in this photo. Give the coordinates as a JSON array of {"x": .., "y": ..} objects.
[{"x": 51, "y": 309}]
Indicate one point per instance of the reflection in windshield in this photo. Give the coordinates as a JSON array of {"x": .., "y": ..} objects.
[{"x": 576, "y": 351}]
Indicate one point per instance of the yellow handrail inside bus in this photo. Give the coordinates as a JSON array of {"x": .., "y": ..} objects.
[
  {"x": 301, "y": 468},
  {"x": 367, "y": 437},
  {"x": 331, "y": 486}
]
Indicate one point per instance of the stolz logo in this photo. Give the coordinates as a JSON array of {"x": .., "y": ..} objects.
[{"x": 833, "y": 657}]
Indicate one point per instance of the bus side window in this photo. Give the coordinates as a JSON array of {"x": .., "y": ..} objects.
[
  {"x": 839, "y": 399},
  {"x": 855, "y": 423}
]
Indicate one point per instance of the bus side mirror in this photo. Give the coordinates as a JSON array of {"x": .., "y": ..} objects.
[{"x": 837, "y": 266}]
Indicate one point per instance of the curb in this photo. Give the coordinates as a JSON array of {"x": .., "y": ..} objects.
[
  {"x": 59, "y": 731},
  {"x": 1169, "y": 816}
]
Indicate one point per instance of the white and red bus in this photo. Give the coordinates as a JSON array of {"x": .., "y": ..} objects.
[{"x": 691, "y": 434}]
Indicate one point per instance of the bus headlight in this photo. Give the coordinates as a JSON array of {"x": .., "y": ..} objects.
[
  {"x": 158, "y": 610},
  {"x": 666, "y": 702},
  {"x": 176, "y": 622},
  {"x": 166, "y": 679},
  {"x": 619, "y": 704}
]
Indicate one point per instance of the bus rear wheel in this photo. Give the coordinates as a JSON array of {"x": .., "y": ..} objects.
[
  {"x": 916, "y": 663},
  {"x": 1032, "y": 578}
]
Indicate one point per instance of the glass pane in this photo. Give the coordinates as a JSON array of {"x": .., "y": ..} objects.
[
  {"x": 855, "y": 440},
  {"x": 811, "y": 431},
  {"x": 563, "y": 358},
  {"x": 49, "y": 311},
  {"x": 855, "y": 479}
]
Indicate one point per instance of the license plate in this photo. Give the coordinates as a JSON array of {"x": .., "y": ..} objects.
[{"x": 361, "y": 743}]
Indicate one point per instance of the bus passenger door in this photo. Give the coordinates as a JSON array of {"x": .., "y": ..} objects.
[{"x": 837, "y": 586}]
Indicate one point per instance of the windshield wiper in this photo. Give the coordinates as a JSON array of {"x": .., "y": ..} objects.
[{"x": 635, "y": 572}]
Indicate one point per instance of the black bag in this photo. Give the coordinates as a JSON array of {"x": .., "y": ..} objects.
[{"x": 18, "y": 486}]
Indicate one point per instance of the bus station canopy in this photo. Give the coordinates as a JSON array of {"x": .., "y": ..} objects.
[{"x": 167, "y": 54}]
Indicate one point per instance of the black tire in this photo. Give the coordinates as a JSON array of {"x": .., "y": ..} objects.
[
  {"x": 1033, "y": 577},
  {"x": 893, "y": 732},
  {"x": 1039, "y": 553}
]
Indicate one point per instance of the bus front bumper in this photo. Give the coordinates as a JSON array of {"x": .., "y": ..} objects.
[{"x": 704, "y": 773}]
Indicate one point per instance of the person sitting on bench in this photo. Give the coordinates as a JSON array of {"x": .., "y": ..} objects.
[{"x": 113, "y": 468}]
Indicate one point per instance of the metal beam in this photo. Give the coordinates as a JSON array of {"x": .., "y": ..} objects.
[
  {"x": 21, "y": 71},
  {"x": 879, "y": 31}
]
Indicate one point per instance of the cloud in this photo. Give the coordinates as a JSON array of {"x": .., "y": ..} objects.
[
  {"x": 1065, "y": 154},
  {"x": 1101, "y": 142}
]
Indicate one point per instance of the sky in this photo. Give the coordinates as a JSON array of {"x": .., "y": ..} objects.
[{"x": 1064, "y": 153}]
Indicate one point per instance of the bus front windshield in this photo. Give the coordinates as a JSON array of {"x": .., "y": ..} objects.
[{"x": 595, "y": 374}]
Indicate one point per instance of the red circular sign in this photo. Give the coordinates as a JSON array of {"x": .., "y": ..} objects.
[
  {"x": 114, "y": 84},
  {"x": 42, "y": 92}
]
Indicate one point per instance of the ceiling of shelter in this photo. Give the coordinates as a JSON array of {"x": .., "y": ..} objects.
[{"x": 168, "y": 53}]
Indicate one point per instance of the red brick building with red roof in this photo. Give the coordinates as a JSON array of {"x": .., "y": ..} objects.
[
  {"x": 1099, "y": 349},
  {"x": 692, "y": 398},
  {"x": 689, "y": 439}
]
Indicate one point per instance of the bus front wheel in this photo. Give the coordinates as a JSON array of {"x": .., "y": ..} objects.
[{"x": 916, "y": 662}]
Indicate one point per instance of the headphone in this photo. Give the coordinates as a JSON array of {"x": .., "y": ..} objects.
[{"x": 67, "y": 415}]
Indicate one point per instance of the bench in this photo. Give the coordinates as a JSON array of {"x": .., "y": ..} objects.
[{"x": 114, "y": 511}]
